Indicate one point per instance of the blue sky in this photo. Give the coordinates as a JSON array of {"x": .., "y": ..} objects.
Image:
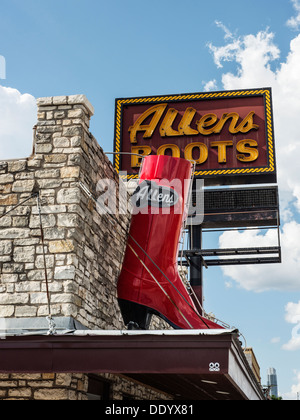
[{"x": 117, "y": 48}]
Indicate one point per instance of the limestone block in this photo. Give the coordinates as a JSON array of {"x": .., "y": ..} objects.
[
  {"x": 69, "y": 196},
  {"x": 6, "y": 178},
  {"x": 44, "y": 101},
  {"x": 23, "y": 186},
  {"x": 24, "y": 254},
  {"x": 65, "y": 246},
  {"x": 14, "y": 233},
  {"x": 52, "y": 394},
  {"x": 9, "y": 278},
  {"x": 13, "y": 298},
  {"x": 16, "y": 166},
  {"x": 9, "y": 200},
  {"x": 81, "y": 99},
  {"x": 60, "y": 100},
  {"x": 43, "y": 148},
  {"x": 61, "y": 142},
  {"x": 5, "y": 247},
  {"x": 25, "y": 311},
  {"x": 6, "y": 311},
  {"x": 67, "y": 220},
  {"x": 47, "y": 173},
  {"x": 70, "y": 172},
  {"x": 64, "y": 273},
  {"x": 48, "y": 220}
]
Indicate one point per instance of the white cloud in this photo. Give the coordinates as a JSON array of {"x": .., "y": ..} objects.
[
  {"x": 257, "y": 65},
  {"x": 2, "y": 67},
  {"x": 255, "y": 57},
  {"x": 295, "y": 389},
  {"x": 225, "y": 53},
  {"x": 293, "y": 317},
  {"x": 259, "y": 278},
  {"x": 228, "y": 284},
  {"x": 17, "y": 118},
  {"x": 228, "y": 33},
  {"x": 252, "y": 53},
  {"x": 211, "y": 85},
  {"x": 294, "y": 22},
  {"x": 292, "y": 312}
]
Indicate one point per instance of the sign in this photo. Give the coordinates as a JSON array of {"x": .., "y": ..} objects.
[
  {"x": 151, "y": 194},
  {"x": 240, "y": 207},
  {"x": 228, "y": 135}
]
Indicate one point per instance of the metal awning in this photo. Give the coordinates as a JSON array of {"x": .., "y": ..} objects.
[{"x": 191, "y": 365}]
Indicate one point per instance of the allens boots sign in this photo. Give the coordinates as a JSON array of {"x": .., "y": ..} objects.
[{"x": 229, "y": 135}]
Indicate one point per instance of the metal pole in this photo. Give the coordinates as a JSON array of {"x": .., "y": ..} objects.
[{"x": 196, "y": 266}]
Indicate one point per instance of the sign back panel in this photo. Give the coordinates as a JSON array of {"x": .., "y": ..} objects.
[{"x": 228, "y": 135}]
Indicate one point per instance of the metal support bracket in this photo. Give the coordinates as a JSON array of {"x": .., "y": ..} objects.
[{"x": 236, "y": 256}]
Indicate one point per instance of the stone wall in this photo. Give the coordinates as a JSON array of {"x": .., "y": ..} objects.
[
  {"x": 83, "y": 249},
  {"x": 43, "y": 386},
  {"x": 74, "y": 387}
]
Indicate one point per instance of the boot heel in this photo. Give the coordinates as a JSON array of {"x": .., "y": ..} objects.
[{"x": 135, "y": 316}]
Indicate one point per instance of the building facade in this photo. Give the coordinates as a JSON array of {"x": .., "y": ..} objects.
[
  {"x": 272, "y": 382},
  {"x": 251, "y": 358}
]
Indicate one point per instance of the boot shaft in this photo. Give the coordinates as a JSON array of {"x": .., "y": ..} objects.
[{"x": 149, "y": 282}]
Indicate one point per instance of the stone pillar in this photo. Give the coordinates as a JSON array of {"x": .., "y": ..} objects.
[{"x": 84, "y": 250}]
